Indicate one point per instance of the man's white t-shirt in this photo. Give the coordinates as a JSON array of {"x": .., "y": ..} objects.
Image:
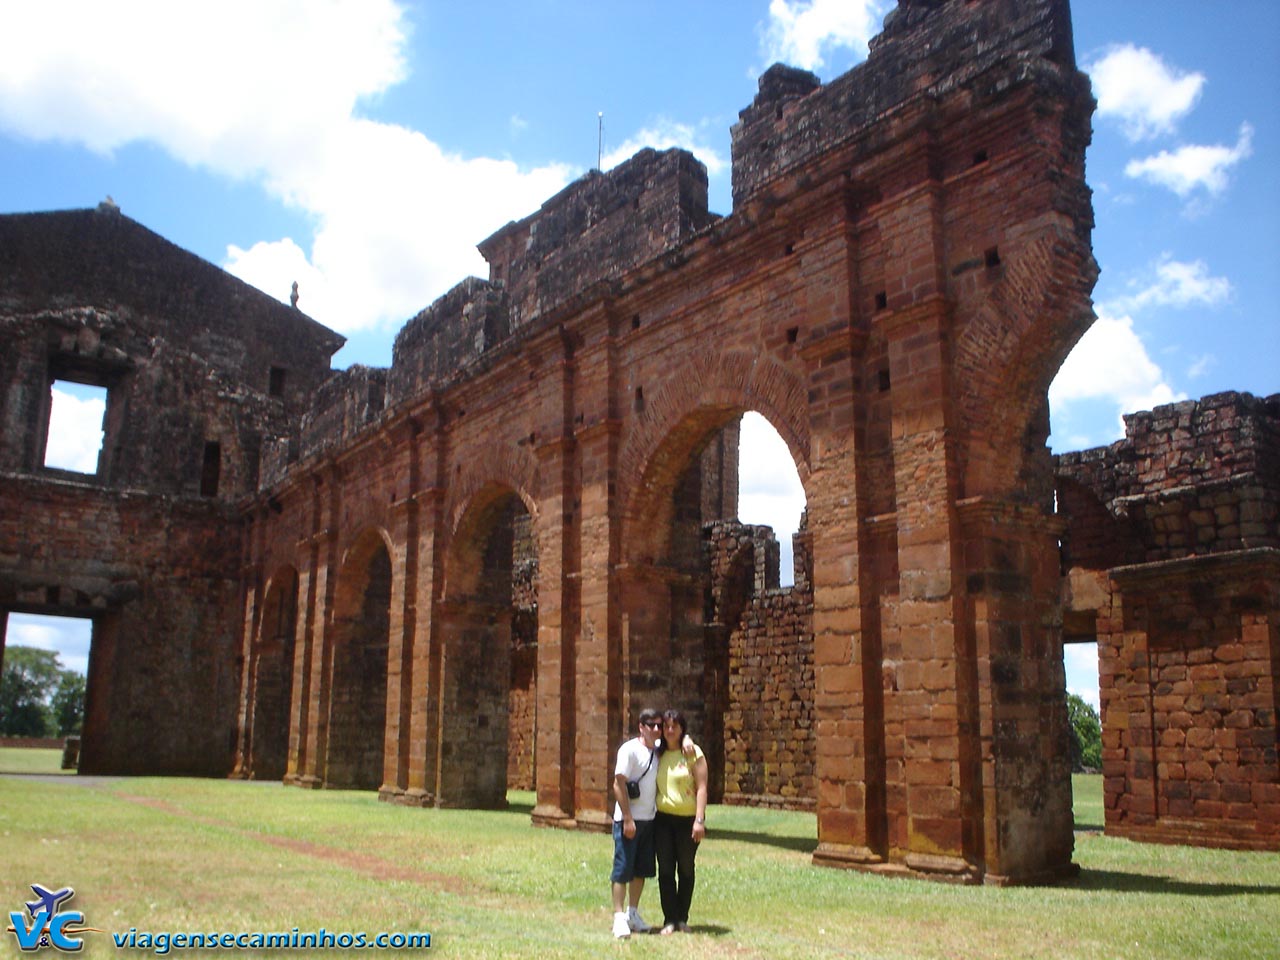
[{"x": 633, "y": 757}]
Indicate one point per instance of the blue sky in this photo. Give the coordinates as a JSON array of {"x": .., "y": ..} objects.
[{"x": 363, "y": 148}]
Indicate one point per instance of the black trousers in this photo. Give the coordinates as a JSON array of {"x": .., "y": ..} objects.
[{"x": 673, "y": 842}]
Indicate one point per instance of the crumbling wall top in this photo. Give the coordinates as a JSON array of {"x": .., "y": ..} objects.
[
  {"x": 927, "y": 48},
  {"x": 597, "y": 228}
]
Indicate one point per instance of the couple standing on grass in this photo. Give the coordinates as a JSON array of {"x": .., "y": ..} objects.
[{"x": 660, "y": 784}]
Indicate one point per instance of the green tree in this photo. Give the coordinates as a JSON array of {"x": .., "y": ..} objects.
[
  {"x": 68, "y": 703},
  {"x": 30, "y": 677},
  {"x": 1086, "y": 734}
]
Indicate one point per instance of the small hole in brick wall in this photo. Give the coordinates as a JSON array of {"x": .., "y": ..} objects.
[
  {"x": 882, "y": 300},
  {"x": 635, "y": 322},
  {"x": 639, "y": 400},
  {"x": 578, "y": 418},
  {"x": 979, "y": 157},
  {"x": 791, "y": 248},
  {"x": 991, "y": 256},
  {"x": 884, "y": 380},
  {"x": 635, "y": 204},
  {"x": 778, "y": 114},
  {"x": 533, "y": 438},
  {"x": 793, "y": 334}
]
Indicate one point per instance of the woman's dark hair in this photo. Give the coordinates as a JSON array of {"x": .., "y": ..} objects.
[{"x": 678, "y": 717}]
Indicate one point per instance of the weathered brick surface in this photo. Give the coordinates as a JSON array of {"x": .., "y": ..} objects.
[
  {"x": 201, "y": 370},
  {"x": 1172, "y": 544},
  {"x": 906, "y": 267}
]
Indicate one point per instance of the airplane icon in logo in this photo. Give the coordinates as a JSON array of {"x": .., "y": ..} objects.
[{"x": 49, "y": 899}]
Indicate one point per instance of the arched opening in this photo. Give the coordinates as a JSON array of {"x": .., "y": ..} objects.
[
  {"x": 358, "y": 677},
  {"x": 710, "y": 629},
  {"x": 271, "y": 677},
  {"x": 489, "y": 621}
]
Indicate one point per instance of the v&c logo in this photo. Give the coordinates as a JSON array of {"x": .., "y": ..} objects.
[{"x": 48, "y": 925}]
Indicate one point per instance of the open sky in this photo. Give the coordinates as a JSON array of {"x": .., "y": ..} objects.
[{"x": 363, "y": 147}]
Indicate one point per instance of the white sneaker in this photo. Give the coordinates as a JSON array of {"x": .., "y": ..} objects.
[
  {"x": 636, "y": 922},
  {"x": 621, "y": 929}
]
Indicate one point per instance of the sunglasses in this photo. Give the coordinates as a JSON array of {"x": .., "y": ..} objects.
[{"x": 655, "y": 724}]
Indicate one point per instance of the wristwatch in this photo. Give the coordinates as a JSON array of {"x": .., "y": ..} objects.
[{"x": 699, "y": 820}]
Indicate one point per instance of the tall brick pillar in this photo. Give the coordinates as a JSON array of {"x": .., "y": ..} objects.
[
  {"x": 598, "y": 669},
  {"x": 557, "y": 639},
  {"x": 934, "y": 704},
  {"x": 401, "y": 628},
  {"x": 1011, "y": 563}
]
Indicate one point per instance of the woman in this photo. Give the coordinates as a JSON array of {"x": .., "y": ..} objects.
[{"x": 680, "y": 823}]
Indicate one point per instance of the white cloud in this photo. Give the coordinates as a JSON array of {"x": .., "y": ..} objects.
[
  {"x": 1201, "y": 366},
  {"x": 235, "y": 88},
  {"x": 1195, "y": 166},
  {"x": 803, "y": 34},
  {"x": 1175, "y": 283},
  {"x": 769, "y": 489},
  {"x": 662, "y": 135},
  {"x": 75, "y": 431},
  {"x": 1111, "y": 363},
  {"x": 68, "y": 637},
  {"x": 1080, "y": 661},
  {"x": 1145, "y": 95}
]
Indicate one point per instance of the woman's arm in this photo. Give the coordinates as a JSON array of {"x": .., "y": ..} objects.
[{"x": 700, "y": 813}]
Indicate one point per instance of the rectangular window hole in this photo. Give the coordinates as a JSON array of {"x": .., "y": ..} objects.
[
  {"x": 882, "y": 300},
  {"x": 77, "y": 415},
  {"x": 884, "y": 379},
  {"x": 980, "y": 157},
  {"x": 276, "y": 385},
  {"x": 635, "y": 322},
  {"x": 790, "y": 249},
  {"x": 639, "y": 403},
  {"x": 211, "y": 469},
  {"x": 793, "y": 334},
  {"x": 991, "y": 256}
]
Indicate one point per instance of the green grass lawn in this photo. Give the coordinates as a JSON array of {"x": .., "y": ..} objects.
[
  {"x": 32, "y": 760},
  {"x": 180, "y": 855}
]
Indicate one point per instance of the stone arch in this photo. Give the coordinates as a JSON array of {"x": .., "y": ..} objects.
[
  {"x": 357, "y": 667},
  {"x": 271, "y": 677},
  {"x": 674, "y": 650},
  {"x": 1008, "y": 355},
  {"x": 714, "y": 389},
  {"x": 494, "y": 466},
  {"x": 488, "y": 630}
]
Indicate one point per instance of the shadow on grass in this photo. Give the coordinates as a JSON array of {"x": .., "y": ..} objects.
[
  {"x": 799, "y": 844},
  {"x": 1115, "y": 881},
  {"x": 520, "y": 806}
]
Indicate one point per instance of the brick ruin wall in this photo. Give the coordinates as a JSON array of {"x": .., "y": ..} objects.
[
  {"x": 1171, "y": 556},
  {"x": 200, "y": 372},
  {"x": 769, "y": 731},
  {"x": 618, "y": 269}
]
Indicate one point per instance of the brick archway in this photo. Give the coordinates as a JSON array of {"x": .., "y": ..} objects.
[
  {"x": 356, "y": 661},
  {"x": 271, "y": 678},
  {"x": 487, "y": 622}
]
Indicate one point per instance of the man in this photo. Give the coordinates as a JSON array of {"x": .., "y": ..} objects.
[{"x": 633, "y": 854}]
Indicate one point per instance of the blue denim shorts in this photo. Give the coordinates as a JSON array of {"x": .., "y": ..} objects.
[{"x": 633, "y": 858}]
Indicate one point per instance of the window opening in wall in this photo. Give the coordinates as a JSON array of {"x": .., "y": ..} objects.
[
  {"x": 211, "y": 470},
  {"x": 1080, "y": 668},
  {"x": 769, "y": 489},
  {"x": 77, "y": 413},
  {"x": 51, "y": 655},
  {"x": 276, "y": 386}
]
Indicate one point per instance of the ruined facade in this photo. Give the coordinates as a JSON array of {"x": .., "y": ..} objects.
[
  {"x": 468, "y": 571},
  {"x": 1172, "y": 561},
  {"x": 200, "y": 372}
]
